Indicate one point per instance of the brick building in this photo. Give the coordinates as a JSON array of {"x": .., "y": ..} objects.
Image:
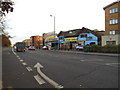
[
  {"x": 27, "y": 41},
  {"x": 112, "y": 24},
  {"x": 36, "y": 41}
]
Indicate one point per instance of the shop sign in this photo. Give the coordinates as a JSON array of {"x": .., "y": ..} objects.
[
  {"x": 50, "y": 37},
  {"x": 71, "y": 39}
]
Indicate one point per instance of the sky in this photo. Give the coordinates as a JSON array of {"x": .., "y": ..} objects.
[{"x": 32, "y": 17}]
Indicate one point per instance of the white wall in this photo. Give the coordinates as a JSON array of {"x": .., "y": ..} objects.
[{"x": 110, "y": 38}]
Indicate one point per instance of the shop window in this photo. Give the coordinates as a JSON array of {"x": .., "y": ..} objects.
[
  {"x": 92, "y": 43},
  {"x": 111, "y": 42},
  {"x": 61, "y": 38}
]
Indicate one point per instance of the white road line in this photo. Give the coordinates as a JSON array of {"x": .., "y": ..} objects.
[
  {"x": 82, "y": 60},
  {"x": 24, "y": 63},
  {"x": 13, "y": 51},
  {"x": 21, "y": 60},
  {"x": 111, "y": 63},
  {"x": 29, "y": 69},
  {"x": 39, "y": 79},
  {"x": 17, "y": 56}
]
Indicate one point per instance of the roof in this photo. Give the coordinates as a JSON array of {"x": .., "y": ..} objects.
[
  {"x": 111, "y": 4},
  {"x": 76, "y": 32}
]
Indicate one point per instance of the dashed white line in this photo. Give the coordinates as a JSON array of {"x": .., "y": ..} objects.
[
  {"x": 24, "y": 63},
  {"x": 21, "y": 60},
  {"x": 39, "y": 79},
  {"x": 18, "y": 57},
  {"x": 29, "y": 69},
  {"x": 112, "y": 63},
  {"x": 82, "y": 60}
]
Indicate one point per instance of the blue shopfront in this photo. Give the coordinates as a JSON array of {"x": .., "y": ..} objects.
[{"x": 87, "y": 39}]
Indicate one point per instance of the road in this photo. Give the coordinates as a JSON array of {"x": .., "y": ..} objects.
[{"x": 68, "y": 70}]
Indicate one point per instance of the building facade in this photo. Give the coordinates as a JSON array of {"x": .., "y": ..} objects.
[
  {"x": 112, "y": 24},
  {"x": 70, "y": 39},
  {"x": 36, "y": 41},
  {"x": 50, "y": 40}
]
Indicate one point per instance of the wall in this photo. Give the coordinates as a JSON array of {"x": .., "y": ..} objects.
[{"x": 110, "y": 38}]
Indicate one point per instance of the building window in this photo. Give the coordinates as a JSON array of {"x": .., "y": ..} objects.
[
  {"x": 113, "y": 10},
  {"x": 60, "y": 38},
  {"x": 113, "y": 21},
  {"x": 83, "y": 36},
  {"x": 111, "y": 42},
  {"x": 113, "y": 32}
]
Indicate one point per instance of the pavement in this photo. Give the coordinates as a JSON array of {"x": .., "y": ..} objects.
[
  {"x": 82, "y": 52},
  {"x": 90, "y": 53}
]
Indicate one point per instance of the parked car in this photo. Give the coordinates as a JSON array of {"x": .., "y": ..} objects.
[
  {"x": 45, "y": 48},
  {"x": 80, "y": 47},
  {"x": 31, "y": 48}
]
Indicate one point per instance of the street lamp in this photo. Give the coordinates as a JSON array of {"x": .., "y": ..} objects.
[{"x": 54, "y": 28}]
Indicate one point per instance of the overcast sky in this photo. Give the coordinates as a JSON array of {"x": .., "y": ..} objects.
[{"x": 32, "y": 17}]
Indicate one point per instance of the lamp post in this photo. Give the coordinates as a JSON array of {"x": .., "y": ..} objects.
[{"x": 54, "y": 28}]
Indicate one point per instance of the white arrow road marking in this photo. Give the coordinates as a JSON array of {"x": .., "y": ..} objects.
[
  {"x": 56, "y": 85},
  {"x": 29, "y": 69},
  {"x": 39, "y": 79},
  {"x": 24, "y": 63}
]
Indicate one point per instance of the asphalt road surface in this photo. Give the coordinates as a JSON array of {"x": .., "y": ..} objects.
[{"x": 59, "y": 70}]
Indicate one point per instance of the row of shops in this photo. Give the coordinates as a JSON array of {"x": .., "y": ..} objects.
[{"x": 70, "y": 39}]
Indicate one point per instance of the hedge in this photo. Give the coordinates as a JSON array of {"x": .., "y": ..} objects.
[{"x": 103, "y": 49}]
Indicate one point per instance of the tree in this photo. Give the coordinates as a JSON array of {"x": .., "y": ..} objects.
[{"x": 6, "y": 6}]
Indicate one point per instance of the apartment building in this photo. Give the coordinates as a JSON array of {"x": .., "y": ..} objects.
[{"x": 112, "y": 24}]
